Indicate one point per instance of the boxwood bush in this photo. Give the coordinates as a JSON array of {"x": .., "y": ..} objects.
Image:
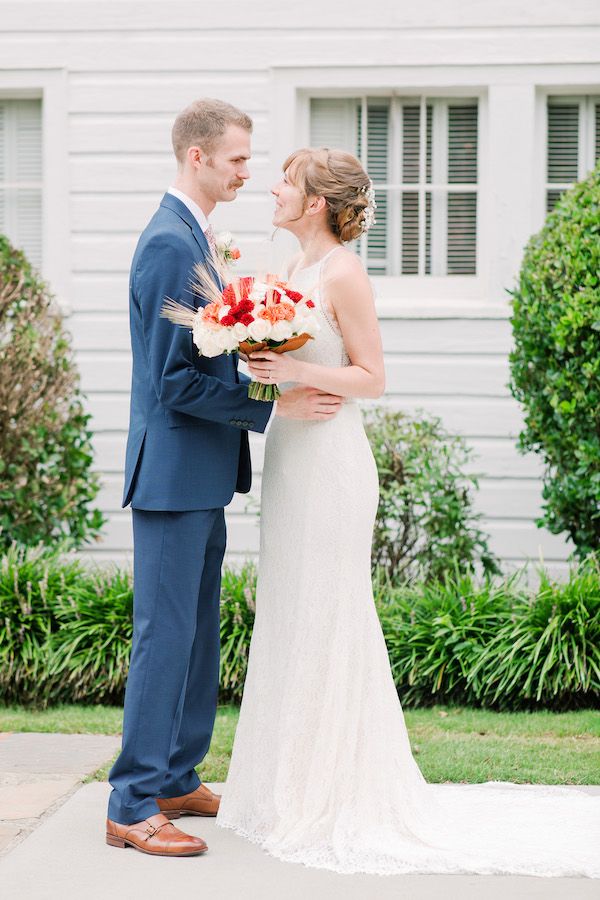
[
  {"x": 555, "y": 364},
  {"x": 46, "y": 483},
  {"x": 426, "y": 525}
]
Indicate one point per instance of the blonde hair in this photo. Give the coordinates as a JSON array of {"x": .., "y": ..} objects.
[
  {"x": 202, "y": 123},
  {"x": 339, "y": 178}
]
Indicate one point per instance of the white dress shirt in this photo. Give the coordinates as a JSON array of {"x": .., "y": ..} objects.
[{"x": 192, "y": 206}]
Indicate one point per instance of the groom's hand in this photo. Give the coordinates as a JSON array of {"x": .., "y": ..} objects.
[{"x": 308, "y": 403}]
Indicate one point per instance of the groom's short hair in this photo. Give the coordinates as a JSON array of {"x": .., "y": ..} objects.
[{"x": 202, "y": 123}]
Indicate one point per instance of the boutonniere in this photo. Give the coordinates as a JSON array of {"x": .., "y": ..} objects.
[{"x": 226, "y": 249}]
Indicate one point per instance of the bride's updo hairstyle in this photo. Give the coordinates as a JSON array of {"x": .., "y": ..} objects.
[{"x": 340, "y": 179}]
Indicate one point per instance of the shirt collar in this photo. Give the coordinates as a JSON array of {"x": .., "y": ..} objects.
[{"x": 192, "y": 206}]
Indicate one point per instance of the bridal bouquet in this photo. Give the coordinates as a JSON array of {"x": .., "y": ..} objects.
[{"x": 248, "y": 315}]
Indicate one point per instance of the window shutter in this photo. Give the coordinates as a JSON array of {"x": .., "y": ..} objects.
[
  {"x": 21, "y": 175},
  {"x": 462, "y": 205},
  {"x": 411, "y": 127},
  {"x": 334, "y": 123},
  {"x": 378, "y": 123},
  {"x": 597, "y": 132},
  {"x": 563, "y": 148}
]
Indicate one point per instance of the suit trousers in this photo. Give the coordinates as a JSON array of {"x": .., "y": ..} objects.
[{"x": 173, "y": 682}]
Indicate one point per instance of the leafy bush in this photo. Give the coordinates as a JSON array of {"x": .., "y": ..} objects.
[
  {"x": 555, "y": 364},
  {"x": 46, "y": 486},
  {"x": 238, "y": 591},
  {"x": 425, "y": 523},
  {"x": 65, "y": 634},
  {"x": 32, "y": 585}
]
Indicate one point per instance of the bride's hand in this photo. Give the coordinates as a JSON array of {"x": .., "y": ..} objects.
[{"x": 273, "y": 368}]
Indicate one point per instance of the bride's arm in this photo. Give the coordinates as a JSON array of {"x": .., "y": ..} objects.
[{"x": 350, "y": 296}]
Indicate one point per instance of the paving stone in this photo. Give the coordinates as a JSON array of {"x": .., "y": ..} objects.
[
  {"x": 7, "y": 833},
  {"x": 59, "y": 754},
  {"x": 28, "y": 797}
]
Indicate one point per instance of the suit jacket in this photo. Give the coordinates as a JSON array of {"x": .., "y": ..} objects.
[{"x": 188, "y": 432}]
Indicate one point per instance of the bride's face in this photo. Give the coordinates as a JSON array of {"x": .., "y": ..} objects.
[{"x": 289, "y": 202}]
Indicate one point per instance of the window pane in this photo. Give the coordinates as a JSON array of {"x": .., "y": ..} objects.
[
  {"x": 462, "y": 144},
  {"x": 462, "y": 230},
  {"x": 411, "y": 125},
  {"x": 552, "y": 198},
  {"x": 21, "y": 175},
  {"x": 378, "y": 123},
  {"x": 410, "y": 233},
  {"x": 563, "y": 142},
  {"x": 334, "y": 123}
]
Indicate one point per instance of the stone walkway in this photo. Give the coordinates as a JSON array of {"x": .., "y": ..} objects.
[
  {"x": 65, "y": 857},
  {"x": 38, "y": 772}
]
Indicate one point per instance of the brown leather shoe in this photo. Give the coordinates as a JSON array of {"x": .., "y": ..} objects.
[
  {"x": 155, "y": 835},
  {"x": 201, "y": 802}
]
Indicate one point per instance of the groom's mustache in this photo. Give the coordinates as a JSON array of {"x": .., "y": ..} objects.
[{"x": 236, "y": 184}]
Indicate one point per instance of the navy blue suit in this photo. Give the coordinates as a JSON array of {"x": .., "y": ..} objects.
[{"x": 187, "y": 452}]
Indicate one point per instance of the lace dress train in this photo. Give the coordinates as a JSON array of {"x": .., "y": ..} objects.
[{"x": 322, "y": 771}]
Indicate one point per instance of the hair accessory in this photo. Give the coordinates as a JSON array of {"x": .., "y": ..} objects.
[{"x": 368, "y": 218}]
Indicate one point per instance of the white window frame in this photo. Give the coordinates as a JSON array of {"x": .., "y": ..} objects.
[
  {"x": 585, "y": 94},
  {"x": 49, "y": 86},
  {"x": 293, "y": 90}
]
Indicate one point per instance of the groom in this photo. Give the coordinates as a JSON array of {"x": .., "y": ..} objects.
[{"x": 187, "y": 453}]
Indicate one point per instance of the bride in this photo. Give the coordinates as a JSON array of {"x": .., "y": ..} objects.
[{"x": 321, "y": 771}]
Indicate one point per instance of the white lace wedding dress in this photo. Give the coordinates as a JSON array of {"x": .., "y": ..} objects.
[{"x": 322, "y": 771}]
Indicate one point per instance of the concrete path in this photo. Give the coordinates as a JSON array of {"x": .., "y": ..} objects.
[
  {"x": 39, "y": 771},
  {"x": 66, "y": 859}
]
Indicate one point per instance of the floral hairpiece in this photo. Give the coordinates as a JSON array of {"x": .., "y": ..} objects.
[{"x": 368, "y": 219}]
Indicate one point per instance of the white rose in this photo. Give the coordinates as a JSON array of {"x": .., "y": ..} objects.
[
  {"x": 259, "y": 329},
  {"x": 259, "y": 289},
  {"x": 210, "y": 346},
  {"x": 240, "y": 331},
  {"x": 224, "y": 311},
  {"x": 199, "y": 332},
  {"x": 310, "y": 325},
  {"x": 281, "y": 330},
  {"x": 227, "y": 340}
]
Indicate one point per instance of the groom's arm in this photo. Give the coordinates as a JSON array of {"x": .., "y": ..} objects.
[{"x": 164, "y": 270}]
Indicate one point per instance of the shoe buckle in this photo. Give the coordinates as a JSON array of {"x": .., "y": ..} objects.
[{"x": 150, "y": 830}]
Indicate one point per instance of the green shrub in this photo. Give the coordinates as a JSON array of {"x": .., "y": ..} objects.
[
  {"x": 425, "y": 523},
  {"x": 32, "y": 585},
  {"x": 435, "y": 634},
  {"x": 89, "y": 652},
  {"x": 65, "y": 636},
  {"x": 547, "y": 651},
  {"x": 46, "y": 483},
  {"x": 555, "y": 364},
  {"x": 238, "y": 591}
]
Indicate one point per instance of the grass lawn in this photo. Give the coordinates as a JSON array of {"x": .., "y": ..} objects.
[{"x": 449, "y": 743}]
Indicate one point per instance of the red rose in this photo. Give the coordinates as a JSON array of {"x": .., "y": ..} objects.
[
  {"x": 228, "y": 320},
  {"x": 294, "y": 296},
  {"x": 310, "y": 304},
  {"x": 247, "y": 319}
]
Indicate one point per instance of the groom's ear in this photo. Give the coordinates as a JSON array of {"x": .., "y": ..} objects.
[{"x": 196, "y": 157}]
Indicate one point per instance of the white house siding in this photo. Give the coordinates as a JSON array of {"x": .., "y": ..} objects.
[{"x": 114, "y": 74}]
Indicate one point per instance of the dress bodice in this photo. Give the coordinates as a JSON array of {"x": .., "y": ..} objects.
[{"x": 327, "y": 348}]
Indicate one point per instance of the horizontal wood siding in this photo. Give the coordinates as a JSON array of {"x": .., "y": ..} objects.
[{"x": 131, "y": 66}]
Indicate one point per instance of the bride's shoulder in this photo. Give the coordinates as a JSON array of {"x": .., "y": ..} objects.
[{"x": 346, "y": 266}]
